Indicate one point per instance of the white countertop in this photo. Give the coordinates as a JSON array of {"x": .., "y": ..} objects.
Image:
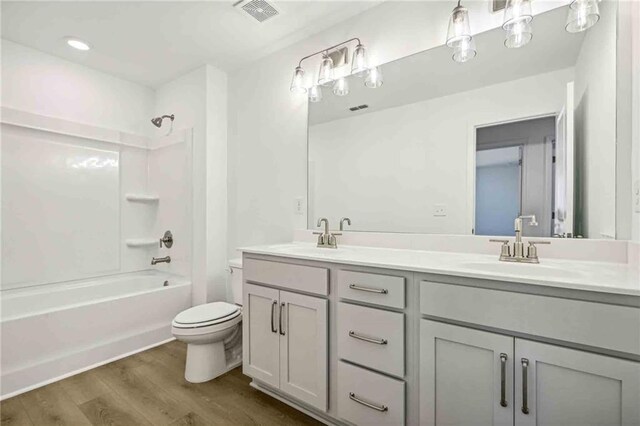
[{"x": 612, "y": 278}]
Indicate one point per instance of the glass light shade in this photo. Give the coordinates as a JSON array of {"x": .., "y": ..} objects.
[
  {"x": 518, "y": 34},
  {"x": 465, "y": 51},
  {"x": 583, "y": 14},
  {"x": 315, "y": 94},
  {"x": 515, "y": 12},
  {"x": 297, "y": 82},
  {"x": 359, "y": 63},
  {"x": 325, "y": 76},
  {"x": 374, "y": 78},
  {"x": 459, "y": 30},
  {"x": 341, "y": 87}
]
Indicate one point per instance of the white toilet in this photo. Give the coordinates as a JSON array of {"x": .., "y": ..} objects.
[{"x": 213, "y": 333}]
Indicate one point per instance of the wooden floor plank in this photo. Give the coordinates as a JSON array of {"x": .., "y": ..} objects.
[
  {"x": 50, "y": 405},
  {"x": 12, "y": 413},
  {"x": 191, "y": 419},
  {"x": 84, "y": 387},
  {"x": 112, "y": 410}
]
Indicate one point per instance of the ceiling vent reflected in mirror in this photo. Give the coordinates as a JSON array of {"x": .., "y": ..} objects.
[{"x": 260, "y": 10}]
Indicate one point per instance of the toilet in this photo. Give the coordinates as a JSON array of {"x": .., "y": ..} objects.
[{"x": 213, "y": 333}]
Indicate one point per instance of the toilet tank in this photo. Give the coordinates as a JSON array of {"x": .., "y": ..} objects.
[{"x": 235, "y": 272}]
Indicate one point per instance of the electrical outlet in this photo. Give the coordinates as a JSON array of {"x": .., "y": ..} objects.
[
  {"x": 636, "y": 196},
  {"x": 299, "y": 206},
  {"x": 439, "y": 210}
]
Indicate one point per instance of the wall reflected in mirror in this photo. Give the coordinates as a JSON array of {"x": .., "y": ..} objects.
[{"x": 449, "y": 148}]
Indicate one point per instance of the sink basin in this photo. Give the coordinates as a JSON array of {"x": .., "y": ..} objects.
[
  {"x": 307, "y": 250},
  {"x": 522, "y": 269}
]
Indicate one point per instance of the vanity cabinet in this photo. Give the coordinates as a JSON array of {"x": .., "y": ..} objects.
[
  {"x": 469, "y": 377},
  {"x": 285, "y": 342}
]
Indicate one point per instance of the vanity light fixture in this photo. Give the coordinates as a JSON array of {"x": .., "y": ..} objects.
[
  {"x": 315, "y": 94},
  {"x": 459, "y": 35},
  {"x": 297, "y": 82},
  {"x": 517, "y": 23},
  {"x": 359, "y": 64},
  {"x": 374, "y": 78},
  {"x": 583, "y": 14},
  {"x": 77, "y": 44},
  {"x": 341, "y": 87}
]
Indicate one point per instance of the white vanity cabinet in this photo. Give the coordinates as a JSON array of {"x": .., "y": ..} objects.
[{"x": 285, "y": 340}]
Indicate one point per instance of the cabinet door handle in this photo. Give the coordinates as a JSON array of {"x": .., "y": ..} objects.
[
  {"x": 382, "y": 408},
  {"x": 503, "y": 379},
  {"x": 367, "y": 339},
  {"x": 273, "y": 317},
  {"x": 525, "y": 402},
  {"x": 280, "y": 320},
  {"x": 368, "y": 289}
]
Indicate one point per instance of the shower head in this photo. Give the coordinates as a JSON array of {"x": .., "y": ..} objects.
[{"x": 157, "y": 121}]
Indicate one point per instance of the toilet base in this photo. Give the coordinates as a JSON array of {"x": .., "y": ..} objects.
[{"x": 205, "y": 362}]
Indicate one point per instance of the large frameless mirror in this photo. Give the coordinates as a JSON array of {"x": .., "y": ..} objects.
[{"x": 450, "y": 148}]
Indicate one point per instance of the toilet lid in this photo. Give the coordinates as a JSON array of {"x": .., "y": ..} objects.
[{"x": 206, "y": 313}]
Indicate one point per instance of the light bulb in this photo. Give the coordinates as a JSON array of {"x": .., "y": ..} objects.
[
  {"x": 583, "y": 14},
  {"x": 297, "y": 82},
  {"x": 341, "y": 87},
  {"x": 315, "y": 94},
  {"x": 325, "y": 76},
  {"x": 359, "y": 65},
  {"x": 374, "y": 78}
]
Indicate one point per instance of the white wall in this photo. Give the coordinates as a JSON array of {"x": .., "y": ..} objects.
[
  {"x": 595, "y": 124},
  {"x": 43, "y": 84},
  {"x": 267, "y": 124},
  {"x": 635, "y": 116},
  {"x": 394, "y": 186}
]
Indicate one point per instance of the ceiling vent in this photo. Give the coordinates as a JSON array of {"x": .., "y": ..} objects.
[
  {"x": 260, "y": 10},
  {"x": 359, "y": 107}
]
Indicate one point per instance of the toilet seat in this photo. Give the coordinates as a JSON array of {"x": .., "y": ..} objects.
[{"x": 210, "y": 314}]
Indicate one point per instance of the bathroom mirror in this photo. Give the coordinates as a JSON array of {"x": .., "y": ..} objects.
[{"x": 464, "y": 148}]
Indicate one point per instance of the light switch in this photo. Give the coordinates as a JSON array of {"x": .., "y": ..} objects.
[
  {"x": 439, "y": 210},
  {"x": 299, "y": 206}
]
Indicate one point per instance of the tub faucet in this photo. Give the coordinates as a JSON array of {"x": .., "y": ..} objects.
[{"x": 156, "y": 260}]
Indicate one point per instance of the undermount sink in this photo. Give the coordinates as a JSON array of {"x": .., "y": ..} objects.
[{"x": 534, "y": 270}]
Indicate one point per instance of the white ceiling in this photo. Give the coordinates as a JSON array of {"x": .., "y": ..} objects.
[
  {"x": 155, "y": 41},
  {"x": 432, "y": 74}
]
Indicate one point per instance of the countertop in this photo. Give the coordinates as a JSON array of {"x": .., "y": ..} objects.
[{"x": 603, "y": 277}]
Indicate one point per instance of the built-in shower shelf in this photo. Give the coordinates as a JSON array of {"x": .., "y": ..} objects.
[
  {"x": 142, "y": 198},
  {"x": 142, "y": 242}
]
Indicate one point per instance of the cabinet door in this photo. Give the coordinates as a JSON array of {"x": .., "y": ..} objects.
[
  {"x": 466, "y": 376},
  {"x": 560, "y": 386},
  {"x": 260, "y": 354},
  {"x": 303, "y": 348}
]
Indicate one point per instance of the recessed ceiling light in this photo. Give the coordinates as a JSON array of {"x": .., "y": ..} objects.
[{"x": 77, "y": 44}]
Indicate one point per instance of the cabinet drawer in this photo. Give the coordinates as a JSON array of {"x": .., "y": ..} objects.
[
  {"x": 371, "y": 337},
  {"x": 385, "y": 290},
  {"x": 308, "y": 279},
  {"x": 367, "y": 398},
  {"x": 595, "y": 324}
]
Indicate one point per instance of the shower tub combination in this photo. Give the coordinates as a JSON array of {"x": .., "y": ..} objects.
[{"x": 55, "y": 331}]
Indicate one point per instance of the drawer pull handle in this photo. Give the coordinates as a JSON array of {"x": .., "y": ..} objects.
[
  {"x": 382, "y": 408},
  {"x": 367, "y": 339},
  {"x": 503, "y": 380},
  {"x": 368, "y": 289},
  {"x": 525, "y": 402},
  {"x": 273, "y": 317}
]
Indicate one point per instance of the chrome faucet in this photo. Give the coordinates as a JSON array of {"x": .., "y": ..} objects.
[
  {"x": 518, "y": 246},
  {"x": 326, "y": 239},
  {"x": 156, "y": 260},
  {"x": 342, "y": 221}
]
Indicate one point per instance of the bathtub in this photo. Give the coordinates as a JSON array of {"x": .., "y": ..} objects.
[{"x": 54, "y": 331}]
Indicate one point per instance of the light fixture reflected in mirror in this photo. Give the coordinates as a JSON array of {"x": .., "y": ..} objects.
[
  {"x": 583, "y": 14},
  {"x": 341, "y": 87},
  {"x": 459, "y": 35},
  {"x": 517, "y": 23},
  {"x": 374, "y": 78},
  {"x": 359, "y": 66},
  {"x": 325, "y": 75},
  {"x": 315, "y": 94},
  {"x": 297, "y": 82}
]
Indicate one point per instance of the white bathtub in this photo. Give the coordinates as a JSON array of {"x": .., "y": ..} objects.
[{"x": 54, "y": 331}]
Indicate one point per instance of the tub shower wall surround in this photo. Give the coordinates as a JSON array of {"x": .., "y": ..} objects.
[
  {"x": 510, "y": 343},
  {"x": 79, "y": 203}
]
